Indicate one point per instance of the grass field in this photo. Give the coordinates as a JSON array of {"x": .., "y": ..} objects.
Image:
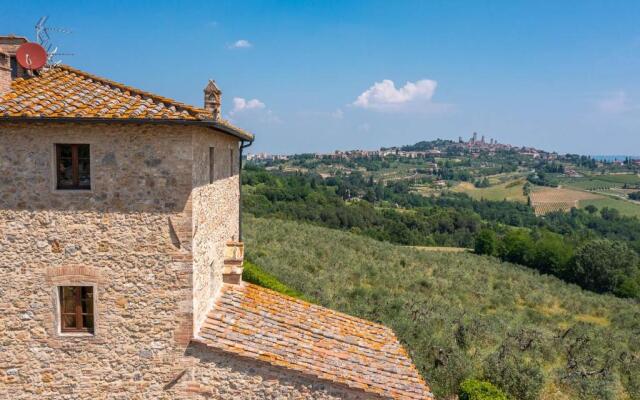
[
  {"x": 510, "y": 190},
  {"x": 462, "y": 315},
  {"x": 625, "y": 207}
]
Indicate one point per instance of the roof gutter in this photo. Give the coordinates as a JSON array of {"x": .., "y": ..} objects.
[
  {"x": 243, "y": 145},
  {"x": 243, "y": 136}
]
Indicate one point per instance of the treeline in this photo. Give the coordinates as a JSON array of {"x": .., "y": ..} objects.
[
  {"x": 341, "y": 204},
  {"x": 599, "y": 265},
  {"x": 385, "y": 212},
  {"x": 556, "y": 244}
]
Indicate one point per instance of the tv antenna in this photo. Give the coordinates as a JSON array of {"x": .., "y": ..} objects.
[{"x": 43, "y": 38}]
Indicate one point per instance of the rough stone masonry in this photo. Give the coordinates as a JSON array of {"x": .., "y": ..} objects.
[{"x": 149, "y": 237}]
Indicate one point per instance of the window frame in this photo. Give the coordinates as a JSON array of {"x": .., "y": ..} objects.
[
  {"x": 75, "y": 165},
  {"x": 79, "y": 329}
]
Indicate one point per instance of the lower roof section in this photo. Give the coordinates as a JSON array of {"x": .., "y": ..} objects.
[{"x": 259, "y": 323}]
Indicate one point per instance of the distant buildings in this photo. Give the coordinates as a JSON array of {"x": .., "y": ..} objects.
[
  {"x": 266, "y": 157},
  {"x": 473, "y": 146}
]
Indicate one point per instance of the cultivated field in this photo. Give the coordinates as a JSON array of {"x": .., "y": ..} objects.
[
  {"x": 600, "y": 182},
  {"x": 545, "y": 199}
]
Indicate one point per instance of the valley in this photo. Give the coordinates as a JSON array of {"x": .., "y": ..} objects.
[{"x": 513, "y": 266}]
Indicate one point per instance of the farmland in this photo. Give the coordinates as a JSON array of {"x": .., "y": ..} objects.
[
  {"x": 545, "y": 199},
  {"x": 625, "y": 207},
  {"x": 600, "y": 182}
]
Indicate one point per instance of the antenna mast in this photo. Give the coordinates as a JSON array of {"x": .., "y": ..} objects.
[{"x": 43, "y": 38}]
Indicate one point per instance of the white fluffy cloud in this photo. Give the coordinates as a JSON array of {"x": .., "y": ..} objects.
[
  {"x": 241, "y": 44},
  {"x": 252, "y": 109},
  {"x": 240, "y": 105},
  {"x": 384, "y": 96},
  {"x": 617, "y": 103}
]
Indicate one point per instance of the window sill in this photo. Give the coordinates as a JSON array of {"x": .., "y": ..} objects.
[
  {"x": 76, "y": 334},
  {"x": 72, "y": 191}
]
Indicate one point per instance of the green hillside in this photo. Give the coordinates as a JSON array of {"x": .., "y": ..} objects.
[{"x": 462, "y": 315}]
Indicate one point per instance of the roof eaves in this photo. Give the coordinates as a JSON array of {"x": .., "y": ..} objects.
[{"x": 222, "y": 127}]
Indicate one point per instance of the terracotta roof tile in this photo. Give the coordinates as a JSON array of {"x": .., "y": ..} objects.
[
  {"x": 65, "y": 92},
  {"x": 254, "y": 322}
]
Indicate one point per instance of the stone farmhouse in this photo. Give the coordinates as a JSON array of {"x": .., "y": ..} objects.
[{"x": 121, "y": 259}]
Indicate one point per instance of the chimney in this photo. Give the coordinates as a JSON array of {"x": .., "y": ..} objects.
[
  {"x": 212, "y": 99},
  {"x": 9, "y": 67},
  {"x": 233, "y": 261}
]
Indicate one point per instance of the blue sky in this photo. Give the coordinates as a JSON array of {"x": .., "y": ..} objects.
[{"x": 326, "y": 75}]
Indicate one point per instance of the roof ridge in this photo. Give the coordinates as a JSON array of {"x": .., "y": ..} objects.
[
  {"x": 338, "y": 313},
  {"x": 195, "y": 111}
]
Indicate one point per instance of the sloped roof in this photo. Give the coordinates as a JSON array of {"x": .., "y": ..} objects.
[
  {"x": 62, "y": 92},
  {"x": 259, "y": 323}
]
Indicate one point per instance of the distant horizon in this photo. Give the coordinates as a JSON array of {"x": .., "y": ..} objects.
[
  {"x": 608, "y": 157},
  {"x": 315, "y": 76}
]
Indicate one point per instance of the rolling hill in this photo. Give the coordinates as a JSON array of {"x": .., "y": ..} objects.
[{"x": 462, "y": 315}]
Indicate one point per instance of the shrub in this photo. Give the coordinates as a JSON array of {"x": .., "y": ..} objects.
[
  {"x": 602, "y": 266},
  {"x": 634, "y": 196},
  {"x": 517, "y": 247},
  {"x": 473, "y": 389},
  {"x": 254, "y": 274},
  {"x": 486, "y": 242},
  {"x": 520, "y": 377}
]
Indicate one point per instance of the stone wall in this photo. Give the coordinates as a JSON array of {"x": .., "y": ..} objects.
[
  {"x": 218, "y": 375},
  {"x": 117, "y": 238},
  {"x": 144, "y": 168},
  {"x": 216, "y": 199},
  {"x": 142, "y": 239}
]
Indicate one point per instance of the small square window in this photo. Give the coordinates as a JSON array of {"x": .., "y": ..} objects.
[
  {"x": 76, "y": 309},
  {"x": 73, "y": 167}
]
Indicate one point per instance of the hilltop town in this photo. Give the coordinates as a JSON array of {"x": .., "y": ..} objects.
[{"x": 422, "y": 150}]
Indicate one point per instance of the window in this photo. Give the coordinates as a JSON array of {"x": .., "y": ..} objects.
[
  {"x": 231, "y": 163},
  {"x": 212, "y": 159},
  {"x": 76, "y": 309},
  {"x": 73, "y": 167}
]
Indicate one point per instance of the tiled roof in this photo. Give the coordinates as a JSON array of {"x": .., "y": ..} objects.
[
  {"x": 65, "y": 92},
  {"x": 258, "y": 323}
]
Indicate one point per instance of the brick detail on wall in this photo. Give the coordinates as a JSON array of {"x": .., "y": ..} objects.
[{"x": 69, "y": 274}]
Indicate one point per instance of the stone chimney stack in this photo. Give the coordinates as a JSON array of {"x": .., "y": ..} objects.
[
  {"x": 9, "y": 67},
  {"x": 212, "y": 99}
]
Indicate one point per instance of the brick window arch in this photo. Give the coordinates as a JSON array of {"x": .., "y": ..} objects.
[{"x": 75, "y": 299}]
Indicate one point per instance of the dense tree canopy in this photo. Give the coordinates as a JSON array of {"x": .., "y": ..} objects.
[{"x": 556, "y": 244}]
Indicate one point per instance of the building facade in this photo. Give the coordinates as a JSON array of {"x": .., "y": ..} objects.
[{"x": 121, "y": 259}]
